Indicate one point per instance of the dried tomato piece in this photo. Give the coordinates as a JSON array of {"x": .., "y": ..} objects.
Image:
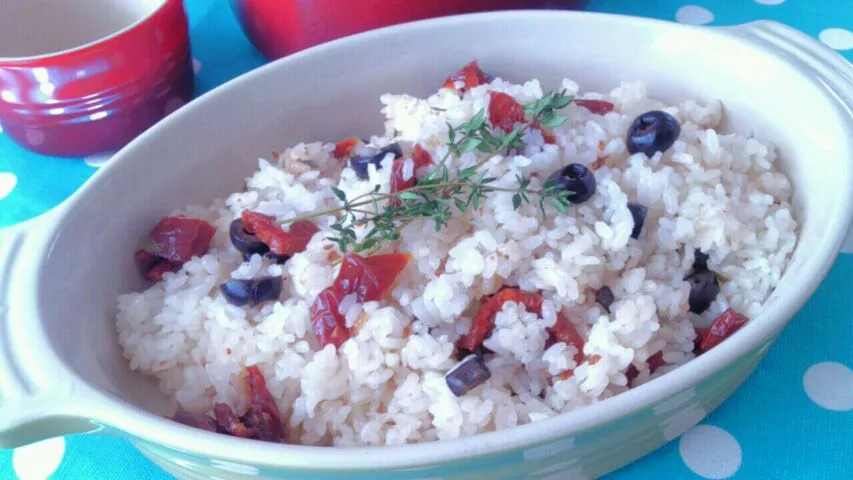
[
  {"x": 228, "y": 423},
  {"x": 470, "y": 75},
  {"x": 263, "y": 412},
  {"x": 280, "y": 242},
  {"x": 721, "y": 328},
  {"x": 261, "y": 422},
  {"x": 655, "y": 362},
  {"x": 598, "y": 107},
  {"x": 346, "y": 147},
  {"x": 504, "y": 111},
  {"x": 564, "y": 331},
  {"x": 484, "y": 318},
  {"x": 327, "y": 321},
  {"x": 152, "y": 267},
  {"x": 368, "y": 278},
  {"x": 631, "y": 374},
  {"x": 179, "y": 239},
  {"x": 420, "y": 158}
]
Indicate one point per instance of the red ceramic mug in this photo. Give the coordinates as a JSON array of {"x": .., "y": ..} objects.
[
  {"x": 280, "y": 27},
  {"x": 83, "y": 77}
]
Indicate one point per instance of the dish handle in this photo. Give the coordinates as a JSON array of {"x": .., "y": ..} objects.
[
  {"x": 834, "y": 71},
  {"x": 37, "y": 400}
]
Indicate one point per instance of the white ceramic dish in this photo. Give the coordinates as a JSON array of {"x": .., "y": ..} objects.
[{"x": 61, "y": 365}]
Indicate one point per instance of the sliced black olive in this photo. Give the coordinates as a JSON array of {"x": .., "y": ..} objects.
[
  {"x": 638, "y": 212},
  {"x": 704, "y": 289},
  {"x": 575, "y": 181},
  {"x": 466, "y": 375},
  {"x": 360, "y": 163},
  {"x": 251, "y": 292},
  {"x": 700, "y": 260},
  {"x": 652, "y": 132},
  {"x": 245, "y": 241},
  {"x": 604, "y": 297}
]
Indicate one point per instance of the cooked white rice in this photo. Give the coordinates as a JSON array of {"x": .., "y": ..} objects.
[{"x": 717, "y": 192}]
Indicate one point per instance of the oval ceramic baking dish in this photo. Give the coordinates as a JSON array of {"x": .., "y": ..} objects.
[{"x": 61, "y": 365}]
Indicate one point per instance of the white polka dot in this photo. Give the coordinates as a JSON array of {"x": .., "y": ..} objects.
[
  {"x": 98, "y": 161},
  {"x": 173, "y": 104},
  {"x": 770, "y": 2},
  {"x": 196, "y": 65},
  {"x": 837, "y": 38},
  {"x": 1, "y": 128},
  {"x": 682, "y": 421},
  {"x": 35, "y": 137},
  {"x": 39, "y": 460},
  {"x": 8, "y": 180},
  {"x": 830, "y": 385},
  {"x": 694, "y": 15},
  {"x": 710, "y": 452}
]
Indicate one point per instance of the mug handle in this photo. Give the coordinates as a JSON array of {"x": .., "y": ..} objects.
[{"x": 39, "y": 397}]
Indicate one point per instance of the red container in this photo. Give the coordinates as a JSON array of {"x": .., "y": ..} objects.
[
  {"x": 280, "y": 27},
  {"x": 85, "y": 77}
]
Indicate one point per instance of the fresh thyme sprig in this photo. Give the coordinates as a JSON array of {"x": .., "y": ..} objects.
[{"x": 442, "y": 191}]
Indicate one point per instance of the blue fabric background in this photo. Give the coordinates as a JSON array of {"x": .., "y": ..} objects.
[{"x": 782, "y": 433}]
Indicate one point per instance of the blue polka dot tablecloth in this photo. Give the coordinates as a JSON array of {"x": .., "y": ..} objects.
[{"x": 793, "y": 419}]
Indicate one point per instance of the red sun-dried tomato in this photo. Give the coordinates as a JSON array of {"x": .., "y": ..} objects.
[
  {"x": 598, "y": 107},
  {"x": 179, "y": 239},
  {"x": 262, "y": 421},
  {"x": 655, "y": 362},
  {"x": 631, "y": 374},
  {"x": 172, "y": 242},
  {"x": 470, "y": 75},
  {"x": 327, "y": 321},
  {"x": 368, "y": 278},
  {"x": 228, "y": 423},
  {"x": 484, "y": 318},
  {"x": 562, "y": 331},
  {"x": 504, "y": 111},
  {"x": 420, "y": 158},
  {"x": 153, "y": 267},
  {"x": 263, "y": 412},
  {"x": 280, "y": 242},
  {"x": 346, "y": 147},
  {"x": 721, "y": 328}
]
